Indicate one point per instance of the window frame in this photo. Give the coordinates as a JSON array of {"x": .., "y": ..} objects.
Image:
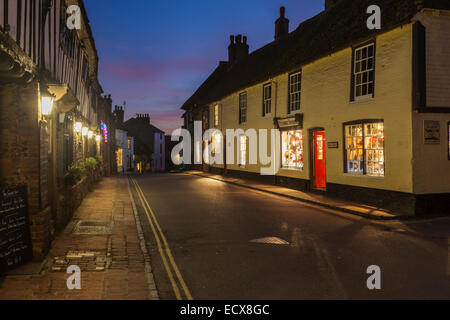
[
  {"x": 353, "y": 76},
  {"x": 362, "y": 122},
  {"x": 267, "y": 101},
  {"x": 290, "y": 94},
  {"x": 243, "y": 107}
]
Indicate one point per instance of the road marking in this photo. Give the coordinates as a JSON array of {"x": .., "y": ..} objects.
[
  {"x": 166, "y": 244},
  {"x": 175, "y": 288}
]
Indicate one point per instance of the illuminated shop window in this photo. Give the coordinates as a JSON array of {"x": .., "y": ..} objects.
[
  {"x": 292, "y": 149},
  {"x": 364, "y": 144}
]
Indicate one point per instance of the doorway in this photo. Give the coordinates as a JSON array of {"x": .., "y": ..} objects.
[{"x": 320, "y": 160}]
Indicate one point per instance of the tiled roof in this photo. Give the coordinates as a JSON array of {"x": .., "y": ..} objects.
[{"x": 331, "y": 30}]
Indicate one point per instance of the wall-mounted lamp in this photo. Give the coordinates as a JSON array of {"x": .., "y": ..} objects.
[
  {"x": 84, "y": 131},
  {"x": 78, "y": 126},
  {"x": 90, "y": 134},
  {"x": 46, "y": 102}
]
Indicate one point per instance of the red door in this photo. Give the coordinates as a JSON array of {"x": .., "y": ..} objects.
[{"x": 320, "y": 164}]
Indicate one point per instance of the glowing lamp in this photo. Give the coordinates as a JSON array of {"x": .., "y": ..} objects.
[
  {"x": 46, "y": 105},
  {"x": 90, "y": 134},
  {"x": 84, "y": 131},
  {"x": 97, "y": 138},
  {"x": 78, "y": 127}
]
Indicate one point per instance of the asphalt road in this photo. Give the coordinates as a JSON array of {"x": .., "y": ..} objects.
[{"x": 209, "y": 226}]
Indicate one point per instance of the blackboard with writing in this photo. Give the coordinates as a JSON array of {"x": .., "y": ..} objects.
[{"x": 15, "y": 242}]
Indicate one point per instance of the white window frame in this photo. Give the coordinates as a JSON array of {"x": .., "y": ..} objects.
[
  {"x": 295, "y": 92},
  {"x": 359, "y": 72}
]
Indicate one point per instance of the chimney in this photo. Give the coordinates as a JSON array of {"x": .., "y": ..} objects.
[
  {"x": 330, "y": 3},
  {"x": 119, "y": 113},
  {"x": 237, "y": 50},
  {"x": 281, "y": 25},
  {"x": 232, "y": 51},
  {"x": 143, "y": 117}
]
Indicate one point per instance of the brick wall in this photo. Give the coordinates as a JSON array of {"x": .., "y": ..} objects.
[{"x": 19, "y": 155}]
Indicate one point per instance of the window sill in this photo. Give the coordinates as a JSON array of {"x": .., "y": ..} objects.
[
  {"x": 363, "y": 99},
  {"x": 363, "y": 176},
  {"x": 292, "y": 169}
]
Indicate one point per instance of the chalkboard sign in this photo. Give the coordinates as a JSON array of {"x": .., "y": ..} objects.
[{"x": 15, "y": 243}]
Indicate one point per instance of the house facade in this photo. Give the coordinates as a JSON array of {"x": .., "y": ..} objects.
[
  {"x": 362, "y": 114},
  {"x": 49, "y": 102}
]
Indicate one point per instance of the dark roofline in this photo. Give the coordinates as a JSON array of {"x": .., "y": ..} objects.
[{"x": 330, "y": 31}]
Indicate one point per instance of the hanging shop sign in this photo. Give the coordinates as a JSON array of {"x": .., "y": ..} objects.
[
  {"x": 290, "y": 123},
  {"x": 432, "y": 132},
  {"x": 15, "y": 241}
]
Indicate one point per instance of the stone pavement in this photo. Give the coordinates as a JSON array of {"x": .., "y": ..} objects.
[
  {"x": 103, "y": 240},
  {"x": 312, "y": 198}
]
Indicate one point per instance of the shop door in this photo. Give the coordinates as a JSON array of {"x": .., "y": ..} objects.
[{"x": 320, "y": 166}]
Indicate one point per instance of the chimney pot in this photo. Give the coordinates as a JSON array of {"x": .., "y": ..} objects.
[
  {"x": 231, "y": 39},
  {"x": 245, "y": 39},
  {"x": 282, "y": 12}
]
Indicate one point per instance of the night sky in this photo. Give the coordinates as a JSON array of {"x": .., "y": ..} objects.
[{"x": 155, "y": 53}]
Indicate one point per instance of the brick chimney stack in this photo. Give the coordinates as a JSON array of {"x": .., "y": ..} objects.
[
  {"x": 119, "y": 113},
  {"x": 281, "y": 25},
  {"x": 237, "y": 50},
  {"x": 143, "y": 117}
]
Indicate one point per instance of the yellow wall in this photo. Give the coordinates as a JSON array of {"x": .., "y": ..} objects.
[{"x": 326, "y": 103}]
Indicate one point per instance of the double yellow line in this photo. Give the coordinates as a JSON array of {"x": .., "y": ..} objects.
[{"x": 163, "y": 248}]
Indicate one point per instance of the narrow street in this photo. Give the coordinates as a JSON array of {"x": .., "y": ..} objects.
[{"x": 211, "y": 228}]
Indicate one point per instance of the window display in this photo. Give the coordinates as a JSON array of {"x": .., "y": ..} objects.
[
  {"x": 365, "y": 148},
  {"x": 292, "y": 153}
]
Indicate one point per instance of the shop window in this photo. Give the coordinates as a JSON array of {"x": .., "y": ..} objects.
[
  {"x": 363, "y": 72},
  {"x": 243, "y": 150},
  {"x": 243, "y": 108},
  {"x": 295, "y": 88},
  {"x": 364, "y": 148},
  {"x": 292, "y": 149},
  {"x": 267, "y": 99}
]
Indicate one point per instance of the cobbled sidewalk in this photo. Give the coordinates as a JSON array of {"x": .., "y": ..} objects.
[{"x": 103, "y": 240}]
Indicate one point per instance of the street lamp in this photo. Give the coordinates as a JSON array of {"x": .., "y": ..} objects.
[{"x": 78, "y": 127}]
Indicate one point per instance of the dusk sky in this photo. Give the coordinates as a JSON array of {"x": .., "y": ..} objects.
[{"x": 155, "y": 53}]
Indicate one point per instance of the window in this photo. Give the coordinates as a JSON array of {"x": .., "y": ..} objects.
[
  {"x": 216, "y": 143},
  {"x": 129, "y": 144},
  {"x": 267, "y": 99},
  {"x": 295, "y": 87},
  {"x": 67, "y": 36},
  {"x": 85, "y": 71},
  {"x": 292, "y": 149},
  {"x": 363, "y": 72},
  {"x": 205, "y": 121},
  {"x": 216, "y": 115},
  {"x": 243, "y": 151},
  {"x": 243, "y": 108},
  {"x": 364, "y": 147}
]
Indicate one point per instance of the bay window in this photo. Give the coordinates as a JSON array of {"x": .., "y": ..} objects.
[
  {"x": 292, "y": 149},
  {"x": 364, "y": 148}
]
